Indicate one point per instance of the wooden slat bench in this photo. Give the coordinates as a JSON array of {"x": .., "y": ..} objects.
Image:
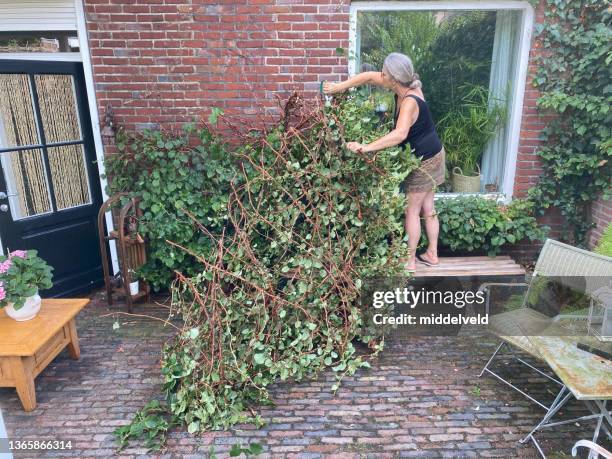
[{"x": 471, "y": 266}]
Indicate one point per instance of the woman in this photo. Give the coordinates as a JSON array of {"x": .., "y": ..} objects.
[{"x": 413, "y": 124}]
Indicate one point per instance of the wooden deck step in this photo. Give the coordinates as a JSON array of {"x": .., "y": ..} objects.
[{"x": 471, "y": 266}]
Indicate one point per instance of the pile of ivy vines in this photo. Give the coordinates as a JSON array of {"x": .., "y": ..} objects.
[
  {"x": 574, "y": 75},
  {"x": 304, "y": 222}
]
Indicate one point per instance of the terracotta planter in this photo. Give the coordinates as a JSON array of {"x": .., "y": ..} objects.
[{"x": 28, "y": 311}]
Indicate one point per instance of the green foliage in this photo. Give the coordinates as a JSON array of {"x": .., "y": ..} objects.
[
  {"x": 460, "y": 55},
  {"x": 304, "y": 222},
  {"x": 470, "y": 223},
  {"x": 22, "y": 274},
  {"x": 468, "y": 127},
  {"x": 252, "y": 449},
  {"x": 151, "y": 425},
  {"x": 574, "y": 77},
  {"x": 407, "y": 32},
  {"x": 277, "y": 297},
  {"x": 175, "y": 175},
  {"x": 604, "y": 247}
]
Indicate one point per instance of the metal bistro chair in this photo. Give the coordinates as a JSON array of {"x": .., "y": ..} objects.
[
  {"x": 594, "y": 449},
  {"x": 566, "y": 264}
]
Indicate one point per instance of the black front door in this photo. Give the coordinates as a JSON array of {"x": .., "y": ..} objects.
[{"x": 49, "y": 186}]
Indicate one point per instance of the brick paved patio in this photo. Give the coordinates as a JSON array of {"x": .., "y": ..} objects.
[{"x": 421, "y": 398}]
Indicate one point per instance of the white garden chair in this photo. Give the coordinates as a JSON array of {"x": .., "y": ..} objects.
[
  {"x": 568, "y": 264},
  {"x": 594, "y": 449}
]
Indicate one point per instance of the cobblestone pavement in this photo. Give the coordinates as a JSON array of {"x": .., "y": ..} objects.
[{"x": 421, "y": 398}]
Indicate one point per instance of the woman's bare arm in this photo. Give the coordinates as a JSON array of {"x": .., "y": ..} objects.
[
  {"x": 408, "y": 114},
  {"x": 358, "y": 80}
]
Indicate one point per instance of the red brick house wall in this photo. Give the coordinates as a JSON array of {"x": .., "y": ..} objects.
[
  {"x": 166, "y": 61},
  {"x": 162, "y": 62}
]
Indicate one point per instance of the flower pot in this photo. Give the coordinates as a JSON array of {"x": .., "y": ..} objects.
[
  {"x": 465, "y": 183},
  {"x": 134, "y": 288},
  {"x": 28, "y": 311}
]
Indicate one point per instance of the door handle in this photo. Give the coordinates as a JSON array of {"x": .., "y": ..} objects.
[
  {"x": 3, "y": 195},
  {"x": 4, "y": 208}
]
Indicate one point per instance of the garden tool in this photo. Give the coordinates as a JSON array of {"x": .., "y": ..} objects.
[{"x": 328, "y": 98}]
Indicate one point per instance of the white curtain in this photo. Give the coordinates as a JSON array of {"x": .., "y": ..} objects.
[{"x": 501, "y": 84}]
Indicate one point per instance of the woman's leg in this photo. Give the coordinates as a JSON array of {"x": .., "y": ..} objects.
[
  {"x": 432, "y": 228},
  {"x": 413, "y": 224}
]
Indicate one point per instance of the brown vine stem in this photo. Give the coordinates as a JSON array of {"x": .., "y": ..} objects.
[{"x": 146, "y": 316}]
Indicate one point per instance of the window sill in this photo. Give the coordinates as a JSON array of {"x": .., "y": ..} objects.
[{"x": 485, "y": 195}]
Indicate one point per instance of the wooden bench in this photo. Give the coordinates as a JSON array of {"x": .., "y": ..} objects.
[
  {"x": 501, "y": 265},
  {"x": 26, "y": 348}
]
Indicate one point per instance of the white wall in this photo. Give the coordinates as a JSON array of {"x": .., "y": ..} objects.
[{"x": 25, "y": 15}]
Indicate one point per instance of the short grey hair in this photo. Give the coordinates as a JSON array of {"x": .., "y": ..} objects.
[{"x": 399, "y": 67}]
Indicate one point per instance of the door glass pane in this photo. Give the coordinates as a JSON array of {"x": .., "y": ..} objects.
[
  {"x": 58, "y": 109},
  {"x": 17, "y": 119},
  {"x": 24, "y": 173},
  {"x": 69, "y": 176}
]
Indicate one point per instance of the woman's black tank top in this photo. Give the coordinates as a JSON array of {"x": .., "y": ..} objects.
[{"x": 422, "y": 135}]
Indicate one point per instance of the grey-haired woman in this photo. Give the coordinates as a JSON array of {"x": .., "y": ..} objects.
[{"x": 414, "y": 125}]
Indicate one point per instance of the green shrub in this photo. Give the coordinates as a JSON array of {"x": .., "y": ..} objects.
[
  {"x": 472, "y": 223},
  {"x": 604, "y": 247},
  {"x": 173, "y": 174}
]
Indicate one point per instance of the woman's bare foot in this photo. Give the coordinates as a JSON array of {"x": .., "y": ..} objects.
[{"x": 430, "y": 258}]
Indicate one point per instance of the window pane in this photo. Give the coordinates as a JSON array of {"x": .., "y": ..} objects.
[
  {"x": 17, "y": 119},
  {"x": 69, "y": 175},
  {"x": 39, "y": 42},
  {"x": 58, "y": 108},
  {"x": 24, "y": 173},
  {"x": 466, "y": 60}
]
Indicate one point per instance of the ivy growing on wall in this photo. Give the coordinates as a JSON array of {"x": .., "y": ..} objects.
[{"x": 574, "y": 76}]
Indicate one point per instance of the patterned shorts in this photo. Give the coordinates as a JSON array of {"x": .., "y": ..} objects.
[{"x": 428, "y": 176}]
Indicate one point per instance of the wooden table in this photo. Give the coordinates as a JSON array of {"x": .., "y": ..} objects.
[{"x": 26, "y": 348}]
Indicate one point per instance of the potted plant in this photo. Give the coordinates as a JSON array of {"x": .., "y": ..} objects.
[
  {"x": 22, "y": 275},
  {"x": 134, "y": 284},
  {"x": 466, "y": 130}
]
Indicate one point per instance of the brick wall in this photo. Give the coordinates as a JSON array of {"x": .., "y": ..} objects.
[
  {"x": 166, "y": 61},
  {"x": 162, "y": 62}
]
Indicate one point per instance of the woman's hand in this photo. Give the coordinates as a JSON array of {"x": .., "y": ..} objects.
[
  {"x": 331, "y": 88},
  {"x": 356, "y": 147}
]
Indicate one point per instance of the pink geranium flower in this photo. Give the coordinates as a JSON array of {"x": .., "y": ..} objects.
[
  {"x": 5, "y": 265},
  {"x": 18, "y": 253},
  {"x": 2, "y": 292}
]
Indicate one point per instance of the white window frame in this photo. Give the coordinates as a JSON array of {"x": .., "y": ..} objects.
[{"x": 524, "y": 46}]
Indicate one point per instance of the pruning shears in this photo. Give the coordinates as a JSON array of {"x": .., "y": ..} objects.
[{"x": 328, "y": 98}]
